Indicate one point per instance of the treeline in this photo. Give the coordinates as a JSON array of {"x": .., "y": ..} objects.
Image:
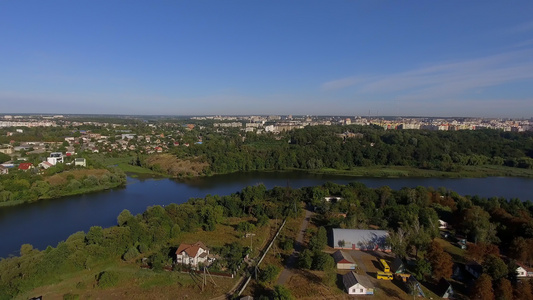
[
  {"x": 27, "y": 186},
  {"x": 153, "y": 234},
  {"x": 316, "y": 147}
]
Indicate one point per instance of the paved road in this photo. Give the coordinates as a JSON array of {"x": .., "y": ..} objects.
[{"x": 291, "y": 261}]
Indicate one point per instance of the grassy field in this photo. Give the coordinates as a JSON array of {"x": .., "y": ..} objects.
[
  {"x": 122, "y": 163},
  {"x": 134, "y": 283},
  {"x": 137, "y": 283},
  {"x": 225, "y": 234}
]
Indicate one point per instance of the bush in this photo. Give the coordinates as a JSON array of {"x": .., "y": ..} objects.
[
  {"x": 286, "y": 244},
  {"x": 130, "y": 254},
  {"x": 107, "y": 279},
  {"x": 143, "y": 248},
  {"x": 282, "y": 293}
]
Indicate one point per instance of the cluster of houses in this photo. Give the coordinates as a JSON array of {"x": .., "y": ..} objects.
[
  {"x": 345, "y": 241},
  {"x": 54, "y": 159},
  {"x": 149, "y": 144}
]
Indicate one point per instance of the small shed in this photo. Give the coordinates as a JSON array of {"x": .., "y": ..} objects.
[
  {"x": 344, "y": 261},
  {"x": 356, "y": 284}
]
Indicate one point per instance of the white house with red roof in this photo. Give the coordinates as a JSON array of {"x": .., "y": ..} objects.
[{"x": 192, "y": 255}]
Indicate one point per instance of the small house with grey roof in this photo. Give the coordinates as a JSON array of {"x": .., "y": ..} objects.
[
  {"x": 357, "y": 284},
  {"x": 360, "y": 239},
  {"x": 344, "y": 261}
]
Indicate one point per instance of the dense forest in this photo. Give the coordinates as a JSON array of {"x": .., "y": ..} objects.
[
  {"x": 346, "y": 147},
  {"x": 499, "y": 231}
]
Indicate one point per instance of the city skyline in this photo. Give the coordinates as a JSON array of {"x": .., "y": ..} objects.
[{"x": 242, "y": 58}]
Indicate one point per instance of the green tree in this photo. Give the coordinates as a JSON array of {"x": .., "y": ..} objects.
[
  {"x": 175, "y": 231},
  {"x": 305, "y": 260},
  {"x": 495, "y": 267},
  {"x": 319, "y": 241},
  {"x": 422, "y": 269},
  {"x": 476, "y": 223},
  {"x": 322, "y": 261},
  {"x": 269, "y": 274},
  {"x": 124, "y": 217},
  {"x": 95, "y": 235}
]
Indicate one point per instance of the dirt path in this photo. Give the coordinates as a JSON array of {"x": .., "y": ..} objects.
[{"x": 291, "y": 261}]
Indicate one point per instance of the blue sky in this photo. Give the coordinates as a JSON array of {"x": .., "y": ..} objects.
[{"x": 425, "y": 58}]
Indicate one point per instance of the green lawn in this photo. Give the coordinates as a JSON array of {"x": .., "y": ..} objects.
[{"x": 122, "y": 163}]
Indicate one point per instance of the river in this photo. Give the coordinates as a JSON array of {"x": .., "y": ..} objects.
[{"x": 47, "y": 222}]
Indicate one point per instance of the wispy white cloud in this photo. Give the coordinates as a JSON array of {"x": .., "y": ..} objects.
[
  {"x": 520, "y": 28},
  {"x": 525, "y": 43},
  {"x": 445, "y": 79}
]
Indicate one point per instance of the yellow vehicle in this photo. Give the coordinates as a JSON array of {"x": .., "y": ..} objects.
[
  {"x": 385, "y": 265},
  {"x": 384, "y": 275}
]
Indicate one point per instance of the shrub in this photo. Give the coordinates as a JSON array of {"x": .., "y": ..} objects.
[
  {"x": 130, "y": 254},
  {"x": 107, "y": 279}
]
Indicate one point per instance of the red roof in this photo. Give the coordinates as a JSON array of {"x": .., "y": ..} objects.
[
  {"x": 191, "y": 250},
  {"x": 25, "y": 166}
]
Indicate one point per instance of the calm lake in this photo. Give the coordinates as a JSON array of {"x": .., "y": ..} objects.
[{"x": 49, "y": 221}]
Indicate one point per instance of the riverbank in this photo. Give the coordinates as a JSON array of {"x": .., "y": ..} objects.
[
  {"x": 66, "y": 194},
  {"x": 407, "y": 172},
  {"x": 411, "y": 172},
  {"x": 28, "y": 189},
  {"x": 383, "y": 171}
]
